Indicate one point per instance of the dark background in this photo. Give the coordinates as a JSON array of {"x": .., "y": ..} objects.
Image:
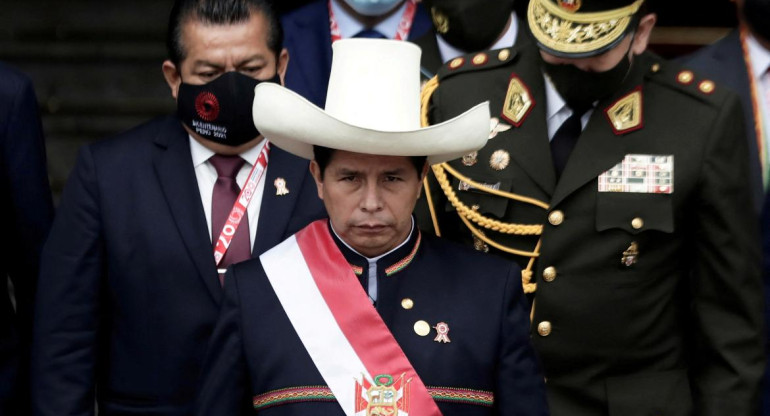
[{"x": 96, "y": 65}]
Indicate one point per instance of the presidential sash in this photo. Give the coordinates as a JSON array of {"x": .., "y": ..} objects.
[{"x": 346, "y": 338}]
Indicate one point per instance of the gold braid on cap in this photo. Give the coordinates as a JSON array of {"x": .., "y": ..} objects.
[
  {"x": 469, "y": 215},
  {"x": 569, "y": 32}
]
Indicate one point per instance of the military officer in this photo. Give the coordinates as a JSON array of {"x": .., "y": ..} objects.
[{"x": 625, "y": 178}]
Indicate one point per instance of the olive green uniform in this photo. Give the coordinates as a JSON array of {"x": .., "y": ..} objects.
[{"x": 647, "y": 302}]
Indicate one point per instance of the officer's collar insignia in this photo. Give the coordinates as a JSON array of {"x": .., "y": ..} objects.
[
  {"x": 518, "y": 102},
  {"x": 495, "y": 126},
  {"x": 570, "y": 5},
  {"x": 625, "y": 115}
]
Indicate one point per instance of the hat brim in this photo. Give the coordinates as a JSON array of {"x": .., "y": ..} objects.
[
  {"x": 295, "y": 124},
  {"x": 579, "y": 35}
]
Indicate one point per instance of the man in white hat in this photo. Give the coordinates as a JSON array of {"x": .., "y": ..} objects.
[{"x": 361, "y": 314}]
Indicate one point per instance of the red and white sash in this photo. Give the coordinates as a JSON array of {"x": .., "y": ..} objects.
[{"x": 343, "y": 333}]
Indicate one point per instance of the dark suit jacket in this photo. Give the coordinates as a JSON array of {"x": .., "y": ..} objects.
[
  {"x": 679, "y": 331},
  {"x": 308, "y": 40},
  {"x": 129, "y": 289},
  {"x": 255, "y": 349},
  {"x": 724, "y": 62},
  {"x": 27, "y": 215}
]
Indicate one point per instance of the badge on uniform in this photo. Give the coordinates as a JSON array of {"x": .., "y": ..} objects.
[
  {"x": 625, "y": 114},
  {"x": 387, "y": 396},
  {"x": 280, "y": 187},
  {"x": 495, "y": 126},
  {"x": 518, "y": 101},
  {"x": 648, "y": 174}
]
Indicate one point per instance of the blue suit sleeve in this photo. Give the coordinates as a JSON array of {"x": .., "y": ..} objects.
[
  {"x": 223, "y": 389},
  {"x": 520, "y": 385},
  {"x": 69, "y": 300}
]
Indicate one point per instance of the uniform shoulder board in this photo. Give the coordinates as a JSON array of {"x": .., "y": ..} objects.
[
  {"x": 687, "y": 81},
  {"x": 477, "y": 61}
]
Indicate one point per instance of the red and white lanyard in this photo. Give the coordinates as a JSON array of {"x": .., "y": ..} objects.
[
  {"x": 241, "y": 204},
  {"x": 403, "y": 27}
]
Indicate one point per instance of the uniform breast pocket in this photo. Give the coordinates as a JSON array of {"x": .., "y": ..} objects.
[
  {"x": 634, "y": 212},
  {"x": 484, "y": 202}
]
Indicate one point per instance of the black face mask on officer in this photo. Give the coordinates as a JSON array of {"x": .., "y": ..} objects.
[
  {"x": 220, "y": 110},
  {"x": 580, "y": 89},
  {"x": 470, "y": 25},
  {"x": 757, "y": 15}
]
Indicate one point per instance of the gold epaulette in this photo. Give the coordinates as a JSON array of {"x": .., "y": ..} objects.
[{"x": 477, "y": 61}]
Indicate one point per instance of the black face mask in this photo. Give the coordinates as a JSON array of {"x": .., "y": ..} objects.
[
  {"x": 470, "y": 25},
  {"x": 757, "y": 15},
  {"x": 220, "y": 111},
  {"x": 580, "y": 89}
]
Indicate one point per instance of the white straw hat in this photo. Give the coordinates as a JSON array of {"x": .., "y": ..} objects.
[{"x": 372, "y": 106}]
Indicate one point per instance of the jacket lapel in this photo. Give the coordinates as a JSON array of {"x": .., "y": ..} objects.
[
  {"x": 276, "y": 210},
  {"x": 529, "y": 146},
  {"x": 173, "y": 166},
  {"x": 598, "y": 148}
]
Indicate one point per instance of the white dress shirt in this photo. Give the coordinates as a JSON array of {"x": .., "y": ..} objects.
[
  {"x": 206, "y": 175},
  {"x": 760, "y": 63}
]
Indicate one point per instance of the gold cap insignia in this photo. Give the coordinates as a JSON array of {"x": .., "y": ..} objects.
[
  {"x": 499, "y": 160},
  {"x": 570, "y": 5},
  {"x": 518, "y": 102},
  {"x": 560, "y": 29},
  {"x": 626, "y": 114},
  {"x": 440, "y": 21}
]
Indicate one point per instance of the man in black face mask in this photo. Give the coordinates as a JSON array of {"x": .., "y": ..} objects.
[
  {"x": 131, "y": 273},
  {"x": 618, "y": 180},
  {"x": 741, "y": 61},
  {"x": 464, "y": 26}
]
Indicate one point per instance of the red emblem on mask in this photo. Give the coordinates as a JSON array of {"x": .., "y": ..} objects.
[{"x": 207, "y": 106}]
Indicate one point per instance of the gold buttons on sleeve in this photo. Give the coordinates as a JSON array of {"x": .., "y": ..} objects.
[
  {"x": 407, "y": 303},
  {"x": 637, "y": 223},
  {"x": 549, "y": 274},
  {"x": 422, "y": 328},
  {"x": 556, "y": 217},
  {"x": 544, "y": 328}
]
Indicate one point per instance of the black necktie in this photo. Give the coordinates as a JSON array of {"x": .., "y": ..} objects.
[
  {"x": 565, "y": 138},
  {"x": 370, "y": 33}
]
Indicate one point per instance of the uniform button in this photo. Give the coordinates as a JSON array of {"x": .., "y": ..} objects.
[
  {"x": 637, "y": 223},
  {"x": 549, "y": 274},
  {"x": 421, "y": 328},
  {"x": 544, "y": 328},
  {"x": 407, "y": 303},
  {"x": 556, "y": 217}
]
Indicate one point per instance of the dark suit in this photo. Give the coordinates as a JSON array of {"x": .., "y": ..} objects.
[
  {"x": 129, "y": 289},
  {"x": 27, "y": 215},
  {"x": 308, "y": 40},
  {"x": 674, "y": 328},
  {"x": 255, "y": 350},
  {"x": 724, "y": 61}
]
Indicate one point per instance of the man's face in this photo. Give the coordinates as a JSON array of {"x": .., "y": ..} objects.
[
  {"x": 211, "y": 50},
  {"x": 633, "y": 45},
  {"x": 369, "y": 198}
]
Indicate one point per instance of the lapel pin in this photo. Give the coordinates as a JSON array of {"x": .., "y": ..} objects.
[
  {"x": 443, "y": 332},
  {"x": 280, "y": 187}
]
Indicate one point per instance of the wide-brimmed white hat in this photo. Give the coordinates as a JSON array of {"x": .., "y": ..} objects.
[{"x": 372, "y": 106}]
